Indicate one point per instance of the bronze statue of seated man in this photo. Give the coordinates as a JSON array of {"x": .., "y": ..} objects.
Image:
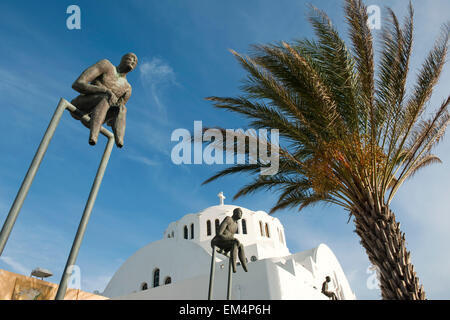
[
  {"x": 104, "y": 91},
  {"x": 227, "y": 243},
  {"x": 325, "y": 291}
]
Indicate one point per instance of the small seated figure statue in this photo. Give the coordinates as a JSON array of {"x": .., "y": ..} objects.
[
  {"x": 325, "y": 291},
  {"x": 104, "y": 91},
  {"x": 225, "y": 241}
]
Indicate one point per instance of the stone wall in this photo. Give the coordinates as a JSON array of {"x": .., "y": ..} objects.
[{"x": 15, "y": 286}]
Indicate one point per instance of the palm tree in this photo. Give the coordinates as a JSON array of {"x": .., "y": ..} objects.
[{"x": 349, "y": 136}]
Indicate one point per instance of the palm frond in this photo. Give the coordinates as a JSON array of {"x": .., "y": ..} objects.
[
  {"x": 422, "y": 163},
  {"x": 331, "y": 57},
  {"x": 415, "y": 106},
  {"x": 264, "y": 117},
  {"x": 361, "y": 36},
  {"x": 279, "y": 182},
  {"x": 299, "y": 199}
]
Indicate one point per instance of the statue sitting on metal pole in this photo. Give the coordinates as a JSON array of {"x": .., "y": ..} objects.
[
  {"x": 325, "y": 291},
  {"x": 104, "y": 91},
  {"x": 226, "y": 242}
]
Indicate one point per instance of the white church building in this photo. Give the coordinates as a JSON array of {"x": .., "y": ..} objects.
[{"x": 178, "y": 266}]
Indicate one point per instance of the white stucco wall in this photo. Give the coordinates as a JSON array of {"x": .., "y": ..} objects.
[
  {"x": 260, "y": 283},
  {"x": 179, "y": 260}
]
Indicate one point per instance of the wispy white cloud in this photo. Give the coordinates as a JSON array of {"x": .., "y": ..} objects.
[
  {"x": 157, "y": 71},
  {"x": 142, "y": 159},
  {"x": 155, "y": 75},
  {"x": 149, "y": 123},
  {"x": 16, "y": 266}
]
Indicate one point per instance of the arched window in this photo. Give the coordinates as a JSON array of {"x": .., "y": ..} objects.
[
  {"x": 217, "y": 225},
  {"x": 192, "y": 231},
  {"x": 156, "y": 278},
  {"x": 244, "y": 226},
  {"x": 168, "y": 280},
  {"x": 261, "y": 228},
  {"x": 185, "y": 232},
  {"x": 172, "y": 234},
  {"x": 208, "y": 227},
  {"x": 144, "y": 286},
  {"x": 267, "y": 230}
]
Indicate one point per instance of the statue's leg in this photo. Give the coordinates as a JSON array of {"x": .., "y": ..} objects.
[
  {"x": 97, "y": 119},
  {"x": 233, "y": 257},
  {"x": 213, "y": 242},
  {"x": 86, "y": 104},
  {"x": 118, "y": 126},
  {"x": 79, "y": 102},
  {"x": 242, "y": 257},
  {"x": 330, "y": 294}
]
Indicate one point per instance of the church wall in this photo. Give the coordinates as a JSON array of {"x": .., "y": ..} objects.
[
  {"x": 266, "y": 280},
  {"x": 328, "y": 265},
  {"x": 179, "y": 259},
  {"x": 254, "y": 285}
]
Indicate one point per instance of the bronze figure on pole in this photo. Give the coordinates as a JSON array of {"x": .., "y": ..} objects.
[
  {"x": 104, "y": 91},
  {"x": 226, "y": 242}
]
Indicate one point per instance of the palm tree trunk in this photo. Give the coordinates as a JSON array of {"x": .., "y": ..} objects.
[{"x": 385, "y": 246}]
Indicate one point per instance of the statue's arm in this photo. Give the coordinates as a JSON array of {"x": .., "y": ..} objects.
[{"x": 83, "y": 85}]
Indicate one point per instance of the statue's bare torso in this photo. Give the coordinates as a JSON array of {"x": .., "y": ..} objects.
[
  {"x": 230, "y": 229},
  {"x": 112, "y": 80}
]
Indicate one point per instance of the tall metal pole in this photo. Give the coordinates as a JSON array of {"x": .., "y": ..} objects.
[
  {"x": 84, "y": 220},
  {"x": 28, "y": 180},
  {"x": 230, "y": 276},
  {"x": 29, "y": 177},
  {"x": 211, "y": 275}
]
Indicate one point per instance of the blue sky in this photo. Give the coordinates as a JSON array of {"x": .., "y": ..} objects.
[{"x": 183, "y": 54}]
